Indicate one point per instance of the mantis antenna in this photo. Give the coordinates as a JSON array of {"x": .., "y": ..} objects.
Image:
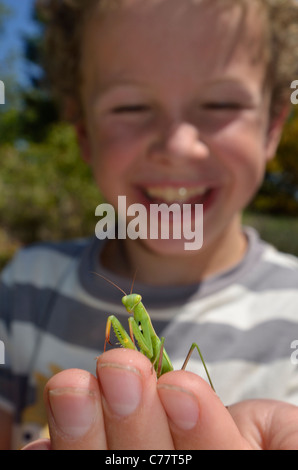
[{"x": 110, "y": 282}]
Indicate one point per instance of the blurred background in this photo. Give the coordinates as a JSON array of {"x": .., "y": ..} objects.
[{"x": 47, "y": 192}]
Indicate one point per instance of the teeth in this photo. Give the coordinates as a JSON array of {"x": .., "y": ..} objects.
[{"x": 171, "y": 194}]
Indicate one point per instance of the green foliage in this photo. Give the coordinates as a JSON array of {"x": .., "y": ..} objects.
[
  {"x": 38, "y": 114},
  {"x": 280, "y": 231},
  {"x": 9, "y": 126},
  {"x": 279, "y": 193},
  {"x": 46, "y": 190}
]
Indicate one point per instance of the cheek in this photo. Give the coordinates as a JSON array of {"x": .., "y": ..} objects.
[
  {"x": 244, "y": 160},
  {"x": 114, "y": 163},
  {"x": 248, "y": 171},
  {"x": 117, "y": 145},
  {"x": 109, "y": 159}
]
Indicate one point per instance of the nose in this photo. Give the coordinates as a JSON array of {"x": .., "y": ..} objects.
[{"x": 182, "y": 141}]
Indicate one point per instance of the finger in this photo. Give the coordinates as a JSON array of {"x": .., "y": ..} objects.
[
  {"x": 197, "y": 417},
  {"x": 40, "y": 444},
  {"x": 75, "y": 417},
  {"x": 134, "y": 416},
  {"x": 267, "y": 424}
]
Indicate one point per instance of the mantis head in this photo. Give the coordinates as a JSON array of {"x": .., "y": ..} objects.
[{"x": 131, "y": 301}]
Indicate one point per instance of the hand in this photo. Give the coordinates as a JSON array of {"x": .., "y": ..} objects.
[{"x": 126, "y": 408}]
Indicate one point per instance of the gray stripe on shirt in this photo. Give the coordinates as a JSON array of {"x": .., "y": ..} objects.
[{"x": 221, "y": 342}]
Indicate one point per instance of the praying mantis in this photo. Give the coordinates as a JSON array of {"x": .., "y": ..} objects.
[{"x": 141, "y": 331}]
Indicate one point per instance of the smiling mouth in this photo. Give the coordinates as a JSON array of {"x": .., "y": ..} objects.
[{"x": 177, "y": 195}]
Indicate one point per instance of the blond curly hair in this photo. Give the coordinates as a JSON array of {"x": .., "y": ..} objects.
[{"x": 65, "y": 21}]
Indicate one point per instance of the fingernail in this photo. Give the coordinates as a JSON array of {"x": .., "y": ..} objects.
[
  {"x": 180, "y": 405},
  {"x": 121, "y": 386},
  {"x": 74, "y": 410}
]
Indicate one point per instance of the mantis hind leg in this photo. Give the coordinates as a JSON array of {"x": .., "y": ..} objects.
[{"x": 195, "y": 346}]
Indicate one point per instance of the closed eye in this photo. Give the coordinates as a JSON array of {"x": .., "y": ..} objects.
[
  {"x": 223, "y": 106},
  {"x": 138, "y": 108}
]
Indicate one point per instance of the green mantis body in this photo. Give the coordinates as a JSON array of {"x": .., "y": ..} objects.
[{"x": 141, "y": 330}]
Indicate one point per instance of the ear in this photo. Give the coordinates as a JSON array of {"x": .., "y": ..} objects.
[
  {"x": 83, "y": 140},
  {"x": 73, "y": 113},
  {"x": 275, "y": 132}
]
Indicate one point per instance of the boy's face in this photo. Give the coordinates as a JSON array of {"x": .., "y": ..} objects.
[{"x": 176, "y": 108}]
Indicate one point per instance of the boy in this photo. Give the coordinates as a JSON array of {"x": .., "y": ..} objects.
[{"x": 173, "y": 102}]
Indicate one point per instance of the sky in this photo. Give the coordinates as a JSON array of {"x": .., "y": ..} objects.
[{"x": 18, "y": 24}]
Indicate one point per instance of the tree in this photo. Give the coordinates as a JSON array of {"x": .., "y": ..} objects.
[
  {"x": 29, "y": 111},
  {"x": 39, "y": 108}
]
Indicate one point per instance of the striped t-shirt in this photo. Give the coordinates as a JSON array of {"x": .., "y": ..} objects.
[{"x": 53, "y": 311}]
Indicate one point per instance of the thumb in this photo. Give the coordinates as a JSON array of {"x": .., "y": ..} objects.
[
  {"x": 267, "y": 424},
  {"x": 197, "y": 417}
]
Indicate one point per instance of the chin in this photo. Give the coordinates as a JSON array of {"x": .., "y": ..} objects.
[{"x": 172, "y": 248}]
